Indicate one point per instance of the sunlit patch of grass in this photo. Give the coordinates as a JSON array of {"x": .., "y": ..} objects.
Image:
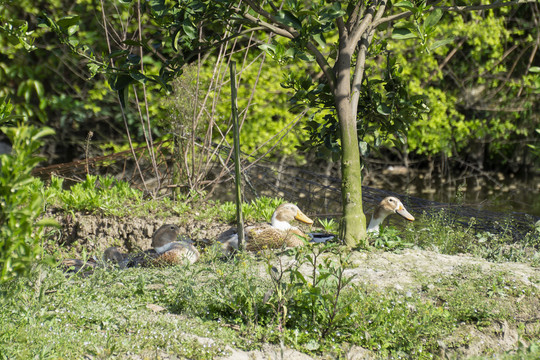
[
  {"x": 103, "y": 315},
  {"x": 443, "y": 234},
  {"x": 260, "y": 209},
  {"x": 249, "y": 300},
  {"x": 474, "y": 296}
]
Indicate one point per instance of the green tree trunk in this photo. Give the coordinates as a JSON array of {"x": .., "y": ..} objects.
[{"x": 353, "y": 224}]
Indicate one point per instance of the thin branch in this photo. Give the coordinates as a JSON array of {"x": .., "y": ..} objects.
[
  {"x": 496, "y": 5},
  {"x": 259, "y": 10},
  {"x": 357, "y": 13},
  {"x": 359, "y": 71},
  {"x": 359, "y": 30},
  {"x": 272, "y": 28},
  {"x": 290, "y": 33},
  {"x": 449, "y": 56}
]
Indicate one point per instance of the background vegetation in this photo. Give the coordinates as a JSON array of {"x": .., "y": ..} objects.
[{"x": 482, "y": 87}]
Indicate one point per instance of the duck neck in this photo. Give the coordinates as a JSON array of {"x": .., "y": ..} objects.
[
  {"x": 280, "y": 224},
  {"x": 374, "y": 224},
  {"x": 164, "y": 248}
]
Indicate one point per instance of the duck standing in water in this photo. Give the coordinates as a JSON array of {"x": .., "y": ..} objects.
[
  {"x": 271, "y": 236},
  {"x": 388, "y": 206}
]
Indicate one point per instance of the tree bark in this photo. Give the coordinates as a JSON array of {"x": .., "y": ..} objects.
[{"x": 353, "y": 223}]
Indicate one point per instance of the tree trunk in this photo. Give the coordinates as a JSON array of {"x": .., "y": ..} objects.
[{"x": 353, "y": 224}]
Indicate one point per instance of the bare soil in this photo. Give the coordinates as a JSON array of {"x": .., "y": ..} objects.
[{"x": 399, "y": 271}]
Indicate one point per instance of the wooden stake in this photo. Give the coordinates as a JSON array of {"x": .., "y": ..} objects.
[{"x": 238, "y": 177}]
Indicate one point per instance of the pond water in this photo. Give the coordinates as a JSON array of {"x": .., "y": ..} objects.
[{"x": 497, "y": 192}]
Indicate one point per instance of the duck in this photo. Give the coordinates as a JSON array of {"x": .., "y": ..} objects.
[
  {"x": 388, "y": 206},
  {"x": 166, "y": 250},
  {"x": 169, "y": 250},
  {"x": 275, "y": 235}
]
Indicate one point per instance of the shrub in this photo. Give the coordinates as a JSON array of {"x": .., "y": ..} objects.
[{"x": 21, "y": 203}]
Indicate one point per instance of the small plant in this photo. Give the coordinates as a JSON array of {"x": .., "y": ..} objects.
[
  {"x": 20, "y": 202},
  {"x": 95, "y": 193},
  {"x": 389, "y": 239},
  {"x": 310, "y": 302},
  {"x": 329, "y": 225}
]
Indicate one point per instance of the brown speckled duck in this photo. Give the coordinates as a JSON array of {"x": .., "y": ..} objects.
[
  {"x": 169, "y": 250},
  {"x": 388, "y": 206},
  {"x": 270, "y": 236},
  {"x": 166, "y": 250}
]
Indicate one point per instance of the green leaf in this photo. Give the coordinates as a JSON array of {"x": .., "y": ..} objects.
[
  {"x": 68, "y": 21},
  {"x": 363, "y": 147},
  {"x": 132, "y": 42},
  {"x": 46, "y": 131},
  {"x": 72, "y": 29},
  {"x": 120, "y": 82},
  {"x": 440, "y": 43},
  {"x": 383, "y": 109},
  {"x": 319, "y": 39},
  {"x": 189, "y": 29},
  {"x": 287, "y": 18},
  {"x": 433, "y": 19},
  {"x": 534, "y": 69},
  {"x": 268, "y": 48},
  {"x": 402, "y": 34},
  {"x": 405, "y": 4},
  {"x": 136, "y": 75},
  {"x": 332, "y": 12}
]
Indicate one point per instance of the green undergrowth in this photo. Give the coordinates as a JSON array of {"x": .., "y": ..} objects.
[
  {"x": 443, "y": 234},
  {"x": 306, "y": 299}
]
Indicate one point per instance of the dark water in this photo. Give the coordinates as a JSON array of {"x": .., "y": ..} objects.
[{"x": 497, "y": 192}]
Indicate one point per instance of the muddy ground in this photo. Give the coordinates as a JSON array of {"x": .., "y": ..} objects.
[{"x": 398, "y": 271}]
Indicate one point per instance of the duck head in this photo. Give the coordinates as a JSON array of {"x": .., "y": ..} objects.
[
  {"x": 163, "y": 236},
  {"x": 388, "y": 206},
  {"x": 285, "y": 213}
]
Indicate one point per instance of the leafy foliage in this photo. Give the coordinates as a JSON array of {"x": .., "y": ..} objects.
[
  {"x": 21, "y": 204},
  {"x": 97, "y": 193},
  {"x": 481, "y": 87}
]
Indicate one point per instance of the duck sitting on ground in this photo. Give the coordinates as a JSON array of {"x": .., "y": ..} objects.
[
  {"x": 169, "y": 250},
  {"x": 270, "y": 236},
  {"x": 388, "y": 206},
  {"x": 166, "y": 250}
]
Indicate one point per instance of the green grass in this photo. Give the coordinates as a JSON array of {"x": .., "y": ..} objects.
[
  {"x": 51, "y": 315},
  {"x": 253, "y": 299}
]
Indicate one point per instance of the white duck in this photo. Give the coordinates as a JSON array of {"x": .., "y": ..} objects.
[
  {"x": 389, "y": 205},
  {"x": 273, "y": 235}
]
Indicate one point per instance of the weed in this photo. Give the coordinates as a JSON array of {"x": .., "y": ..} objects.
[
  {"x": 389, "y": 239},
  {"x": 260, "y": 209},
  {"x": 329, "y": 225},
  {"x": 20, "y": 202}
]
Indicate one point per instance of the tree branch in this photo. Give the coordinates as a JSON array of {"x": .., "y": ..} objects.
[
  {"x": 259, "y": 10},
  {"x": 358, "y": 30},
  {"x": 356, "y": 14},
  {"x": 290, "y": 33},
  {"x": 497, "y": 5},
  {"x": 276, "y": 30}
]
